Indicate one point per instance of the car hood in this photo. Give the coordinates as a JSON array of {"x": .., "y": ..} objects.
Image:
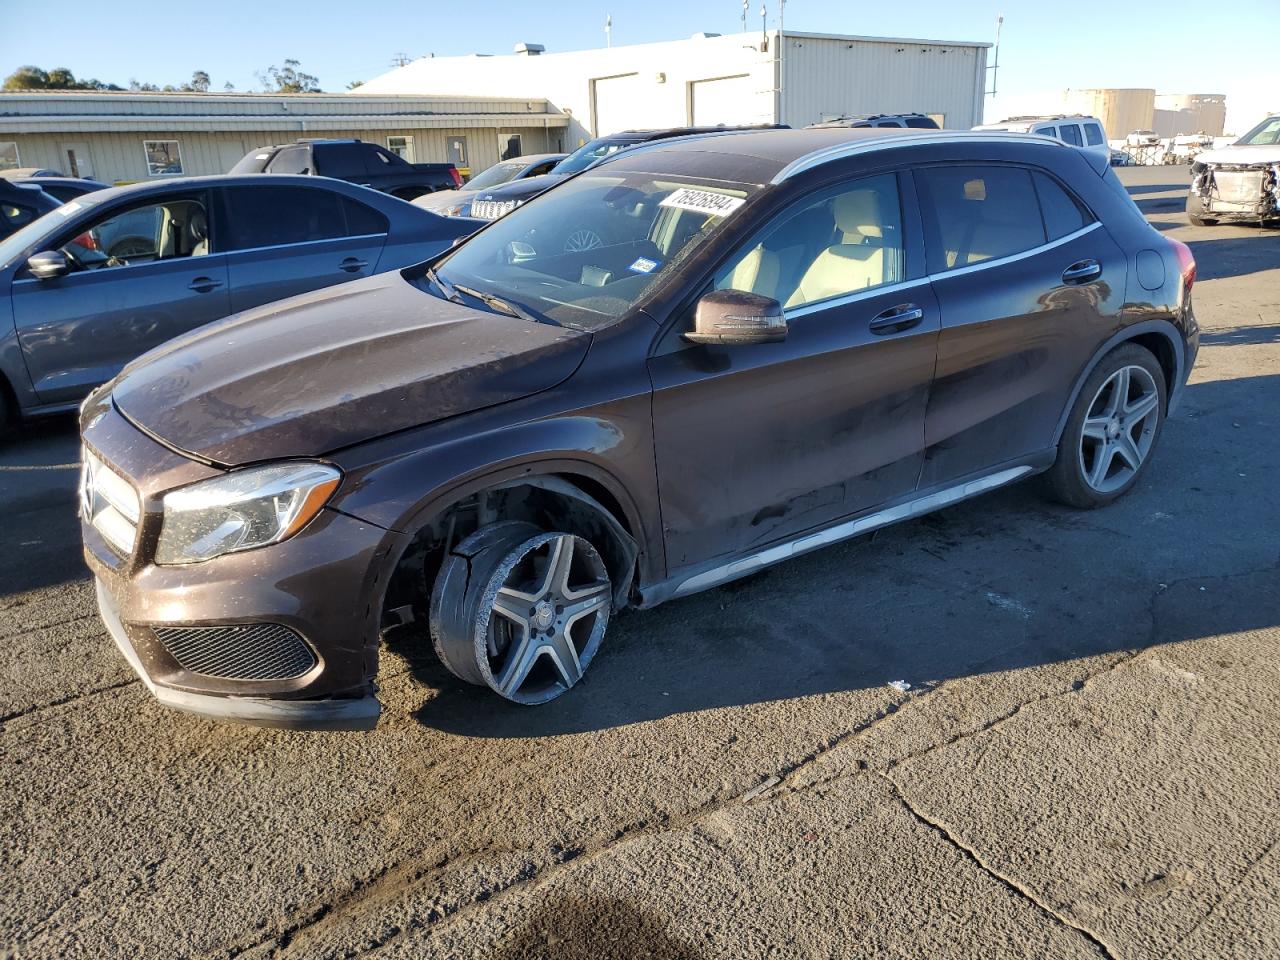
[
  {"x": 1263, "y": 153},
  {"x": 521, "y": 189},
  {"x": 435, "y": 202},
  {"x": 308, "y": 375}
]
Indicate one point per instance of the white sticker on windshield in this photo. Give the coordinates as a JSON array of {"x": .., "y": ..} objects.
[
  {"x": 262, "y": 156},
  {"x": 643, "y": 265},
  {"x": 702, "y": 201}
]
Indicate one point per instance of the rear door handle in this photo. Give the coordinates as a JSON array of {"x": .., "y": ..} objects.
[
  {"x": 896, "y": 319},
  {"x": 353, "y": 264},
  {"x": 204, "y": 284},
  {"x": 1082, "y": 271}
]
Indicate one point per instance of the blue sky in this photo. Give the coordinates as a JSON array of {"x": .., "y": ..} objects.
[{"x": 1173, "y": 46}]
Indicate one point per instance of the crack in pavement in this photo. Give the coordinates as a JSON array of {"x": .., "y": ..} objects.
[
  {"x": 36, "y": 708},
  {"x": 971, "y": 854},
  {"x": 1224, "y": 898}
]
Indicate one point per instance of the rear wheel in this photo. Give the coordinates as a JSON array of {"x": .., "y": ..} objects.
[
  {"x": 1195, "y": 212},
  {"x": 521, "y": 610},
  {"x": 1112, "y": 429}
]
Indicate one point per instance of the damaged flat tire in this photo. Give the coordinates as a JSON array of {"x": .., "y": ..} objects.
[
  {"x": 1195, "y": 212},
  {"x": 521, "y": 610}
]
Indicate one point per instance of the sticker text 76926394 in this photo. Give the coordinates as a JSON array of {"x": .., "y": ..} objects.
[{"x": 702, "y": 201}]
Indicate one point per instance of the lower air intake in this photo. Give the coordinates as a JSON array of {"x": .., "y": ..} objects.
[{"x": 249, "y": 651}]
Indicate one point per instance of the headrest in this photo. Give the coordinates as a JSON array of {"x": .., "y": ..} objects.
[
  {"x": 858, "y": 213},
  {"x": 197, "y": 224}
]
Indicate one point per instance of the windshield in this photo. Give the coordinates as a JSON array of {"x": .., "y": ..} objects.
[
  {"x": 582, "y": 253},
  {"x": 498, "y": 173},
  {"x": 1265, "y": 134},
  {"x": 30, "y": 236},
  {"x": 587, "y": 154}
]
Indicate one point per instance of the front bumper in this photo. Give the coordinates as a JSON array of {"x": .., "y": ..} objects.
[
  {"x": 323, "y": 585},
  {"x": 332, "y": 714}
]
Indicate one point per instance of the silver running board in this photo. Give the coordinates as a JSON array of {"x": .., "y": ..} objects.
[{"x": 843, "y": 531}]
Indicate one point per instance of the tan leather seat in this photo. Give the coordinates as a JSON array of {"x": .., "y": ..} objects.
[
  {"x": 757, "y": 272},
  {"x": 853, "y": 264}
]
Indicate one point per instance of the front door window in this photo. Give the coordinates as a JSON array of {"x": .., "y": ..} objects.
[{"x": 158, "y": 231}]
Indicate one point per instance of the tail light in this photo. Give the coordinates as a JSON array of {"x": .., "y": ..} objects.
[
  {"x": 457, "y": 178},
  {"x": 86, "y": 240},
  {"x": 1186, "y": 263}
]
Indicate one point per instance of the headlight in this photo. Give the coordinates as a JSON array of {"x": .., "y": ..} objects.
[{"x": 243, "y": 510}]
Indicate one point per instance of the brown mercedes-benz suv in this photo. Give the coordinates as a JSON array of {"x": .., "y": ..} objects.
[{"x": 779, "y": 340}]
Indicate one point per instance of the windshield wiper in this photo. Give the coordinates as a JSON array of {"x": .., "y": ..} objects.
[
  {"x": 450, "y": 292},
  {"x": 497, "y": 303}
]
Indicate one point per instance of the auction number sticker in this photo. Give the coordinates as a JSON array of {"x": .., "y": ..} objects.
[{"x": 702, "y": 201}]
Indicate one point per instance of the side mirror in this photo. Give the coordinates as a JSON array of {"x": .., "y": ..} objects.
[
  {"x": 48, "y": 264},
  {"x": 737, "y": 317}
]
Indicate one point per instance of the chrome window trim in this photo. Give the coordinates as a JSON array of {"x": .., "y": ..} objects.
[
  {"x": 1000, "y": 261},
  {"x": 871, "y": 145},
  {"x": 303, "y": 243},
  {"x": 202, "y": 257},
  {"x": 840, "y": 299}
]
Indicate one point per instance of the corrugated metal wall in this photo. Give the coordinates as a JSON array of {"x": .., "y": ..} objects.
[
  {"x": 828, "y": 77},
  {"x": 119, "y": 156}
]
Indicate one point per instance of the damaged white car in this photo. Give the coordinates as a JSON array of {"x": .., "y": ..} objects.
[{"x": 1240, "y": 182}]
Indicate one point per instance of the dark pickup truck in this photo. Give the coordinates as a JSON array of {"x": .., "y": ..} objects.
[{"x": 354, "y": 161}]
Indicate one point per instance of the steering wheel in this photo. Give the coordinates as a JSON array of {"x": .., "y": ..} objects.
[{"x": 127, "y": 247}]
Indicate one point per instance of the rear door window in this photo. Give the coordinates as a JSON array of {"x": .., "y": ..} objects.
[
  {"x": 1092, "y": 134},
  {"x": 343, "y": 161},
  {"x": 292, "y": 160},
  {"x": 975, "y": 213},
  {"x": 269, "y": 216},
  {"x": 1063, "y": 213},
  {"x": 1071, "y": 134}
]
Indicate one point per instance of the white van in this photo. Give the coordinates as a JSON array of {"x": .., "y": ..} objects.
[{"x": 1079, "y": 131}]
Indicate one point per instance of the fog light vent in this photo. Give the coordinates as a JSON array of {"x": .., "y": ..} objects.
[{"x": 247, "y": 651}]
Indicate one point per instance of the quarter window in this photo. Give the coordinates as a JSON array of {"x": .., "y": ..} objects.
[
  {"x": 164, "y": 158},
  {"x": 1063, "y": 214},
  {"x": 14, "y": 215},
  {"x": 977, "y": 213},
  {"x": 845, "y": 239}
]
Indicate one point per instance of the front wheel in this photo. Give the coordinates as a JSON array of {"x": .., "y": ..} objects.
[
  {"x": 1195, "y": 212},
  {"x": 1112, "y": 430},
  {"x": 520, "y": 610}
]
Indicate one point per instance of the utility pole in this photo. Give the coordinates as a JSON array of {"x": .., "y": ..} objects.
[
  {"x": 782, "y": 15},
  {"x": 995, "y": 65},
  {"x": 608, "y": 29},
  {"x": 399, "y": 60},
  {"x": 764, "y": 20},
  {"x": 745, "y": 5}
]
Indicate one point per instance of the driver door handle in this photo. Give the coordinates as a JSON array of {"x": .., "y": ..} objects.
[
  {"x": 1082, "y": 271},
  {"x": 353, "y": 264},
  {"x": 204, "y": 284},
  {"x": 896, "y": 319}
]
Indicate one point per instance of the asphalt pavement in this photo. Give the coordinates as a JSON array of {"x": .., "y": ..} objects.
[{"x": 1009, "y": 729}]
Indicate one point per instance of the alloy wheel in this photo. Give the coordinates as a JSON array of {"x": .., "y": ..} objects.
[
  {"x": 542, "y": 617},
  {"x": 1119, "y": 429},
  {"x": 581, "y": 240}
]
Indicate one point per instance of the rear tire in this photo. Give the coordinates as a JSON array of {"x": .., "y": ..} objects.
[
  {"x": 1112, "y": 430},
  {"x": 1195, "y": 212}
]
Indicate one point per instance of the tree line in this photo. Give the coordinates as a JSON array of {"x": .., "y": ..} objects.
[{"x": 287, "y": 79}]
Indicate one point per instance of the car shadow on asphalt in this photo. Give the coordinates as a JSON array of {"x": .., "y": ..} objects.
[
  {"x": 1140, "y": 188},
  {"x": 1241, "y": 336},
  {"x": 1253, "y": 250},
  {"x": 39, "y": 473},
  {"x": 589, "y": 927},
  {"x": 1001, "y": 583}
]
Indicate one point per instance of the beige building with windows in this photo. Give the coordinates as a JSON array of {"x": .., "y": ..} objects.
[{"x": 123, "y": 137}]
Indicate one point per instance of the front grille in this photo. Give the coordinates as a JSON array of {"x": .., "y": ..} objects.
[
  {"x": 1239, "y": 186},
  {"x": 109, "y": 503},
  {"x": 492, "y": 209},
  {"x": 247, "y": 651}
]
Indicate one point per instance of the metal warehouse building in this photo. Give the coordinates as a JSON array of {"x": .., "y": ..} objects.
[
  {"x": 132, "y": 136},
  {"x": 765, "y": 77}
]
